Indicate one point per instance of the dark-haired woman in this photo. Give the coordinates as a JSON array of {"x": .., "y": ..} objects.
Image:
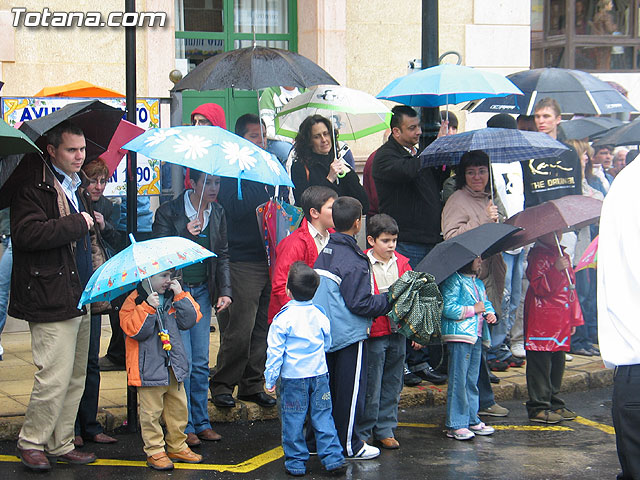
[{"x": 314, "y": 162}]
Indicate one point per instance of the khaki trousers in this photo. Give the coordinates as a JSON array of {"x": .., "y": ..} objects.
[
  {"x": 60, "y": 351},
  {"x": 170, "y": 403}
]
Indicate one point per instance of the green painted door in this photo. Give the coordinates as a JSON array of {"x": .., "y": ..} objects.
[{"x": 208, "y": 27}]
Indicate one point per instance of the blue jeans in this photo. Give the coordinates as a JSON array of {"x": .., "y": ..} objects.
[
  {"x": 485, "y": 391},
  {"x": 280, "y": 149},
  {"x": 196, "y": 344},
  {"x": 385, "y": 373},
  {"x": 296, "y": 397},
  {"x": 6, "y": 262},
  {"x": 462, "y": 392},
  {"x": 586, "y": 334},
  {"x": 510, "y": 301}
]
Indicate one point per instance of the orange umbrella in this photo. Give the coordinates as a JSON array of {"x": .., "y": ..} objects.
[{"x": 78, "y": 89}]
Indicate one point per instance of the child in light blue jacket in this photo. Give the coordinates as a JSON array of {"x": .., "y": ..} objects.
[{"x": 464, "y": 326}]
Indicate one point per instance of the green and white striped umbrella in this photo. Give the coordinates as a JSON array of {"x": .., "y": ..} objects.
[{"x": 353, "y": 113}]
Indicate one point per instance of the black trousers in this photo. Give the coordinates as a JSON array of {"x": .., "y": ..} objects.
[
  {"x": 626, "y": 419},
  {"x": 544, "y": 379},
  {"x": 348, "y": 385}
]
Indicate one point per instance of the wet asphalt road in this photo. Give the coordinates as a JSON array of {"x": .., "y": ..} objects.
[{"x": 583, "y": 450}]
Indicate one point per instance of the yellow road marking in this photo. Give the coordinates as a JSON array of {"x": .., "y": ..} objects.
[
  {"x": 242, "y": 467},
  {"x": 523, "y": 428},
  {"x": 600, "y": 426}
]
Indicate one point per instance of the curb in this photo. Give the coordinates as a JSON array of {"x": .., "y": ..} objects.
[{"x": 511, "y": 387}]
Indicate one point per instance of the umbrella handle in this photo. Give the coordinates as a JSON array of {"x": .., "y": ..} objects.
[{"x": 566, "y": 270}]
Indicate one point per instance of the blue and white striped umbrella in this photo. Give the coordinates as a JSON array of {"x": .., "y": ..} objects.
[{"x": 503, "y": 145}]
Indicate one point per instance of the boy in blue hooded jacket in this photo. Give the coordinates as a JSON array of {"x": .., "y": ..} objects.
[{"x": 346, "y": 294}]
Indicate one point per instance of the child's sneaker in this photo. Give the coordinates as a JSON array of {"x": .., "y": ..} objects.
[
  {"x": 460, "y": 434},
  {"x": 546, "y": 416},
  {"x": 566, "y": 414},
  {"x": 160, "y": 461},
  {"x": 494, "y": 410},
  {"x": 367, "y": 452},
  {"x": 187, "y": 456},
  {"x": 482, "y": 429}
]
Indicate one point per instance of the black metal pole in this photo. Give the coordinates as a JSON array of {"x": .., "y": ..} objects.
[
  {"x": 132, "y": 176},
  {"x": 430, "y": 119}
]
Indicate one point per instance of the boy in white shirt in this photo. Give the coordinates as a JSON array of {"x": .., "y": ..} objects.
[{"x": 297, "y": 341}]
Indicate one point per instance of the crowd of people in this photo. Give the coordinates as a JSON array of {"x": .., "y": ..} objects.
[{"x": 312, "y": 326}]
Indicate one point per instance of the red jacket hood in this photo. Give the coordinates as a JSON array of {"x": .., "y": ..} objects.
[
  {"x": 213, "y": 112},
  {"x": 380, "y": 326}
]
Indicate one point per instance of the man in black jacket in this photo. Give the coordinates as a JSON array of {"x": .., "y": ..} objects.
[
  {"x": 243, "y": 326},
  {"x": 409, "y": 194}
]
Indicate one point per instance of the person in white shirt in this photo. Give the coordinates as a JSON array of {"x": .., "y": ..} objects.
[
  {"x": 297, "y": 341},
  {"x": 618, "y": 306}
]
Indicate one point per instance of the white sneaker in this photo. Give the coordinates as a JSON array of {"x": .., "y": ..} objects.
[
  {"x": 1, "y": 351},
  {"x": 568, "y": 358},
  {"x": 367, "y": 452},
  {"x": 517, "y": 350}
]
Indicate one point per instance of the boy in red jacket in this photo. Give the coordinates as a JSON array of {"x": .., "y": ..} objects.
[
  {"x": 385, "y": 347},
  {"x": 304, "y": 244},
  {"x": 551, "y": 314}
]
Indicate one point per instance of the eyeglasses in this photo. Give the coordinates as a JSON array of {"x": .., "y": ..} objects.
[{"x": 101, "y": 181}]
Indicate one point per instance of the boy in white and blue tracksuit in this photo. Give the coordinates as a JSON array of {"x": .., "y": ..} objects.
[
  {"x": 298, "y": 338},
  {"x": 346, "y": 293}
]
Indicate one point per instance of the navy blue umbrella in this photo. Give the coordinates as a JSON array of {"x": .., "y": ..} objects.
[{"x": 503, "y": 145}]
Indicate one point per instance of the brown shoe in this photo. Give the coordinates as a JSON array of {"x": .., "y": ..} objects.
[
  {"x": 193, "y": 440},
  {"x": 160, "y": 461},
  {"x": 185, "y": 456},
  {"x": 209, "y": 435},
  {"x": 76, "y": 457},
  {"x": 389, "y": 443},
  {"x": 78, "y": 441},
  {"x": 34, "y": 459},
  {"x": 103, "y": 438}
]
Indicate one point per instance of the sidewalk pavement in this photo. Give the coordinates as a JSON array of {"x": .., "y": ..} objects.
[{"x": 17, "y": 369}]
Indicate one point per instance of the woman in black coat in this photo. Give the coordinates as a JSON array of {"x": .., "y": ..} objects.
[{"x": 315, "y": 162}]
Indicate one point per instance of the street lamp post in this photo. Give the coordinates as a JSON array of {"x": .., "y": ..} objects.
[{"x": 430, "y": 119}]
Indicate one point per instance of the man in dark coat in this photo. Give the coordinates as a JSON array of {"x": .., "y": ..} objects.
[
  {"x": 410, "y": 194},
  {"x": 51, "y": 223}
]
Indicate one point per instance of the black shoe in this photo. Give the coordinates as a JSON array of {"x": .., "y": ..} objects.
[
  {"x": 497, "y": 366},
  {"x": 260, "y": 398},
  {"x": 493, "y": 378},
  {"x": 411, "y": 379},
  {"x": 107, "y": 365},
  {"x": 224, "y": 400},
  {"x": 514, "y": 361},
  {"x": 582, "y": 352},
  {"x": 430, "y": 375}
]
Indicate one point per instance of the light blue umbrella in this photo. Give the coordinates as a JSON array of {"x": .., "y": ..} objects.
[
  {"x": 447, "y": 84},
  {"x": 139, "y": 261},
  {"x": 212, "y": 150}
]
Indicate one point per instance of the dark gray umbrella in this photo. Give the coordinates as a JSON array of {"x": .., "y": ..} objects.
[
  {"x": 97, "y": 120},
  {"x": 451, "y": 255},
  {"x": 255, "y": 68},
  {"x": 588, "y": 127},
  {"x": 576, "y": 92},
  {"x": 628, "y": 134}
]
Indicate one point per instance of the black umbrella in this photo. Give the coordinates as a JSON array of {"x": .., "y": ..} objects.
[
  {"x": 628, "y": 134},
  {"x": 97, "y": 120},
  {"x": 255, "y": 68},
  {"x": 588, "y": 127},
  {"x": 451, "y": 255},
  {"x": 576, "y": 92}
]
